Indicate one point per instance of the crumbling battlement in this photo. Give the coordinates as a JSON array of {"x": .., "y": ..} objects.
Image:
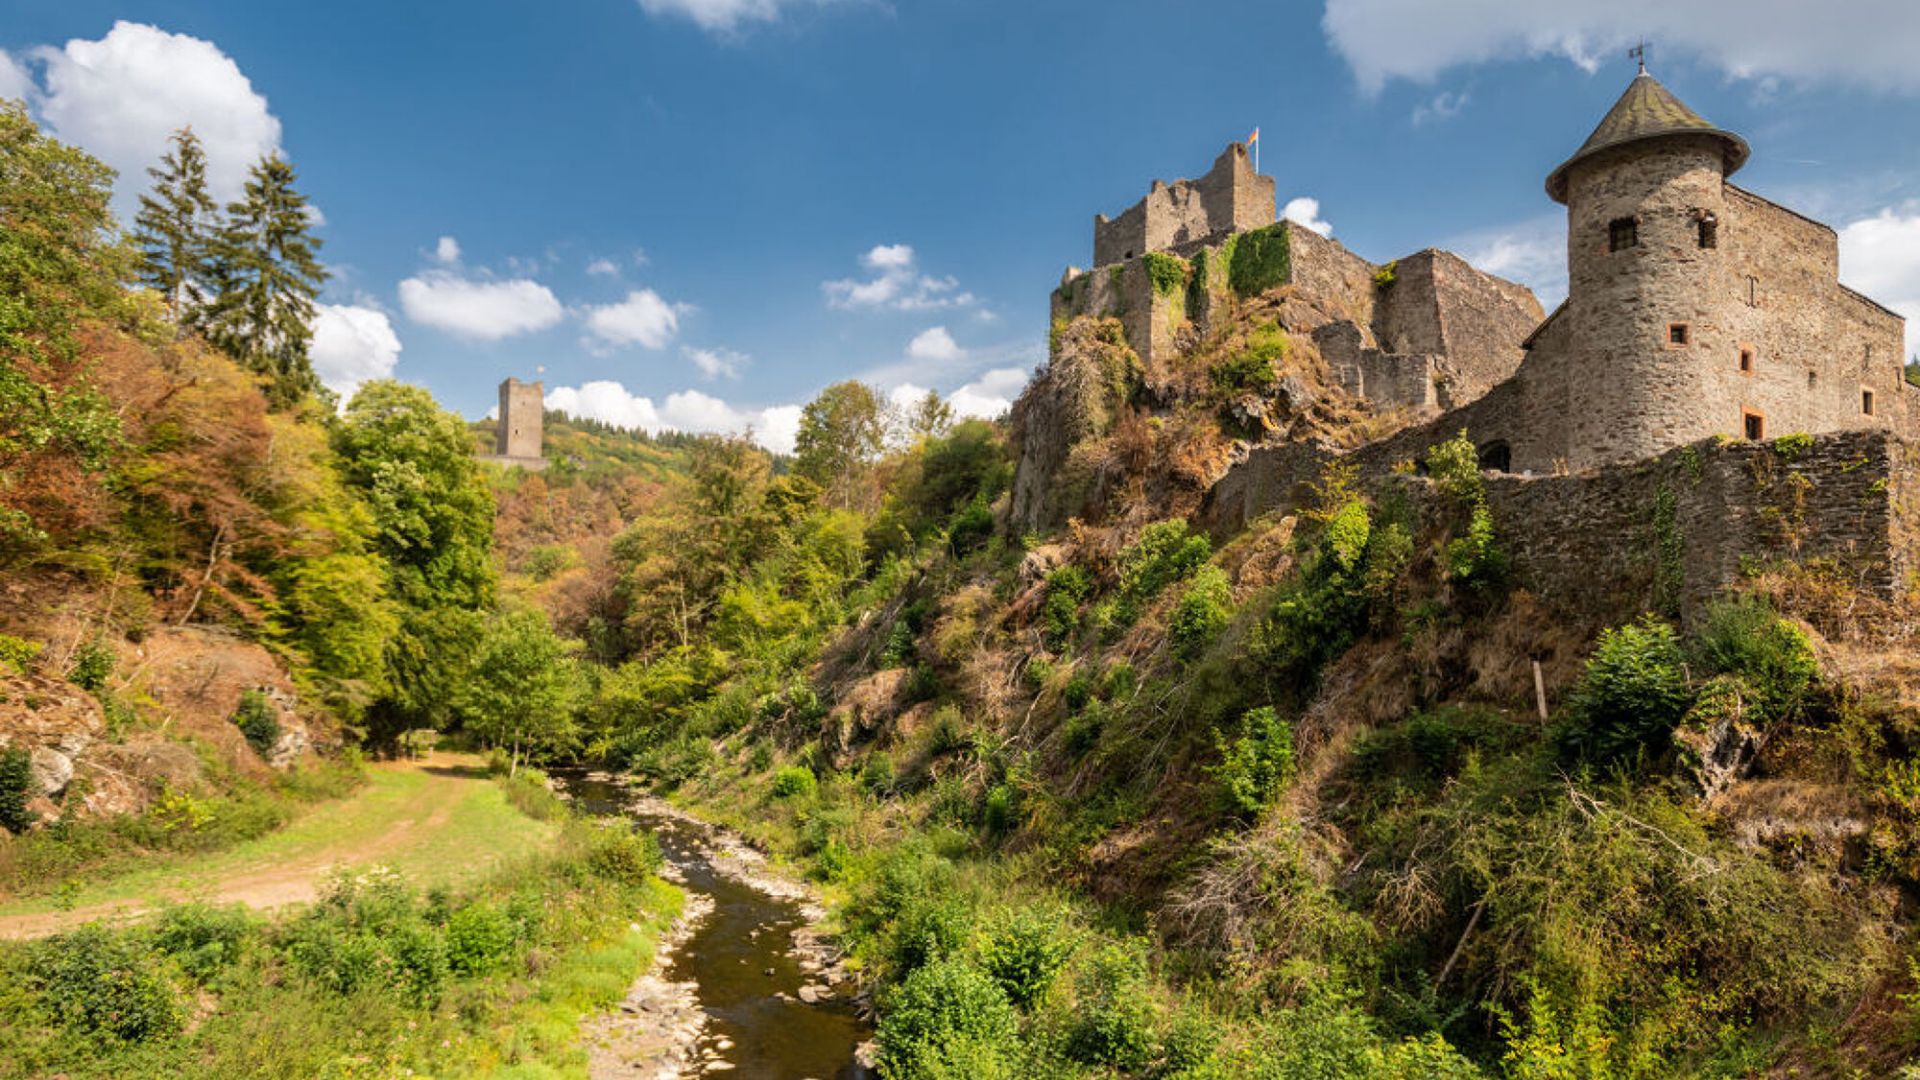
[{"x": 1230, "y": 198}]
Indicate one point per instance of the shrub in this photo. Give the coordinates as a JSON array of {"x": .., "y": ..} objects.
[
  {"x": 626, "y": 854},
  {"x": 256, "y": 719},
  {"x": 18, "y": 652},
  {"x": 1256, "y": 765},
  {"x": 480, "y": 939},
  {"x": 1251, "y": 370},
  {"x": 1633, "y": 694},
  {"x": 544, "y": 562},
  {"x": 1067, "y": 587},
  {"x": 203, "y": 939},
  {"x": 1454, "y": 467},
  {"x": 1025, "y": 954},
  {"x": 16, "y": 787},
  {"x": 1165, "y": 553},
  {"x": 1115, "y": 1017},
  {"x": 1260, "y": 259},
  {"x": 1202, "y": 613},
  {"x": 999, "y": 811},
  {"x": 1475, "y": 559},
  {"x": 929, "y": 928},
  {"x": 878, "y": 776},
  {"x": 793, "y": 780},
  {"x": 97, "y": 981},
  {"x": 1167, "y": 272},
  {"x": 943, "y": 1014},
  {"x": 91, "y": 665},
  {"x": 1772, "y": 656}
]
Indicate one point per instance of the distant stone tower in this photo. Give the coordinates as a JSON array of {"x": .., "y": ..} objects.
[
  {"x": 1652, "y": 307},
  {"x": 522, "y": 407}
]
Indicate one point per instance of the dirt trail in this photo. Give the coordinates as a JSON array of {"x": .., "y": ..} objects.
[{"x": 295, "y": 877}]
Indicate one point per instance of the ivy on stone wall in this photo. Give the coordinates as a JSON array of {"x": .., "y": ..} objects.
[
  {"x": 1259, "y": 260},
  {"x": 1167, "y": 272},
  {"x": 1670, "y": 550}
]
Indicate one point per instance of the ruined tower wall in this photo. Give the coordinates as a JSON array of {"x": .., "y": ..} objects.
[
  {"x": 1231, "y": 197},
  {"x": 522, "y": 413}
]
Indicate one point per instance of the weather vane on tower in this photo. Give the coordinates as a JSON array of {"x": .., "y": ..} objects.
[{"x": 1639, "y": 52}]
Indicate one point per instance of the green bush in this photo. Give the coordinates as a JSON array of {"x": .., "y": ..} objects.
[
  {"x": 944, "y": 1015},
  {"x": 793, "y": 781},
  {"x": 1774, "y": 657},
  {"x": 626, "y": 853},
  {"x": 1000, "y": 810},
  {"x": 546, "y": 561},
  {"x": 1454, "y": 467},
  {"x": 1202, "y": 613},
  {"x": 16, "y": 788},
  {"x": 1252, "y": 370},
  {"x": 1168, "y": 273},
  {"x": 1476, "y": 558},
  {"x": 1166, "y": 552},
  {"x": 1257, "y": 764},
  {"x": 480, "y": 939},
  {"x": 256, "y": 719},
  {"x": 91, "y": 666},
  {"x": 930, "y": 928},
  {"x": 18, "y": 653},
  {"x": 203, "y": 939},
  {"x": 1025, "y": 954},
  {"x": 1260, "y": 259},
  {"x": 1634, "y": 693},
  {"x": 1115, "y": 1016},
  {"x": 1067, "y": 587},
  {"x": 877, "y": 776},
  {"x": 95, "y": 981}
]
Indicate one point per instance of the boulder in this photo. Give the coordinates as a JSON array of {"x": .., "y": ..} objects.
[{"x": 52, "y": 771}]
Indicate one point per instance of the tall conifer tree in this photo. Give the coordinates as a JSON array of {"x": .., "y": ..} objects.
[
  {"x": 174, "y": 227},
  {"x": 264, "y": 266}
]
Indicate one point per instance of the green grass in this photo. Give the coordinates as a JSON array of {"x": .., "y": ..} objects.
[{"x": 442, "y": 827}]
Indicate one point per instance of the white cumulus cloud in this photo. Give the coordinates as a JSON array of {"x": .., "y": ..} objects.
[
  {"x": 1305, "y": 211},
  {"x": 447, "y": 251},
  {"x": 15, "y": 83},
  {"x": 1869, "y": 43},
  {"x": 717, "y": 363},
  {"x": 642, "y": 319},
  {"x": 1532, "y": 252},
  {"x": 1880, "y": 256},
  {"x": 479, "y": 310},
  {"x": 897, "y": 284},
  {"x": 935, "y": 344},
  {"x": 984, "y": 398},
  {"x": 688, "y": 410},
  {"x": 120, "y": 98},
  {"x": 352, "y": 344},
  {"x": 603, "y": 268}
]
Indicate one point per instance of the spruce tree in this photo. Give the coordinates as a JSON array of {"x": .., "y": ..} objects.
[
  {"x": 264, "y": 268},
  {"x": 173, "y": 229}
]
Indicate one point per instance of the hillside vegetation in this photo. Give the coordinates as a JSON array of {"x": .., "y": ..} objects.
[{"x": 1129, "y": 799}]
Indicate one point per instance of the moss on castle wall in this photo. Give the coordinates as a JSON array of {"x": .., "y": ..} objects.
[{"x": 1259, "y": 260}]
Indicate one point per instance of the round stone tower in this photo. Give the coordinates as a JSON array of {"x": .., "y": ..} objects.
[{"x": 1648, "y": 298}]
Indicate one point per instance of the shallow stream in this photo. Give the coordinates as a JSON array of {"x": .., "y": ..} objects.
[{"x": 749, "y": 982}]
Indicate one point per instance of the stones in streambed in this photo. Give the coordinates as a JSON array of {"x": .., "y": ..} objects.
[{"x": 655, "y": 1031}]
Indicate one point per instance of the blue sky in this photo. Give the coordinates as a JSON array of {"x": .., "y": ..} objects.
[{"x": 698, "y": 212}]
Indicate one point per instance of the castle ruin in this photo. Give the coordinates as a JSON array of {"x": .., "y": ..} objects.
[
  {"x": 517, "y": 435},
  {"x": 1706, "y": 360}
]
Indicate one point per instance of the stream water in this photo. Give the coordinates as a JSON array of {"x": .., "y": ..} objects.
[{"x": 749, "y": 984}]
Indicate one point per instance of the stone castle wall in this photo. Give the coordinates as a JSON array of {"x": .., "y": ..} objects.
[
  {"x": 522, "y": 415},
  {"x": 1596, "y": 539},
  {"x": 1231, "y": 197}
]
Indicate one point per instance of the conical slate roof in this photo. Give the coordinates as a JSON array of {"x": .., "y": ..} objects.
[{"x": 1647, "y": 110}]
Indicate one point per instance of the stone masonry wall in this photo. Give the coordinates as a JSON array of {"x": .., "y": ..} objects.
[
  {"x": 1231, "y": 197},
  {"x": 1597, "y": 538},
  {"x": 522, "y": 414}
]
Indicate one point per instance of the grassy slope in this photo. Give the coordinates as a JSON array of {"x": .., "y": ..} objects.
[{"x": 438, "y": 822}]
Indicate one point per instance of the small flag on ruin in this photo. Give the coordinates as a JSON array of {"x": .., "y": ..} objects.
[{"x": 1253, "y": 138}]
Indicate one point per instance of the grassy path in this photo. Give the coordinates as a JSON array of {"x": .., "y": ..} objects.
[{"x": 439, "y": 821}]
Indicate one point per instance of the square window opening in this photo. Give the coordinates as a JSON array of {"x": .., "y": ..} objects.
[
  {"x": 1623, "y": 233},
  {"x": 1866, "y": 402},
  {"x": 1709, "y": 229},
  {"x": 1679, "y": 335},
  {"x": 1746, "y": 361},
  {"x": 1755, "y": 426}
]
